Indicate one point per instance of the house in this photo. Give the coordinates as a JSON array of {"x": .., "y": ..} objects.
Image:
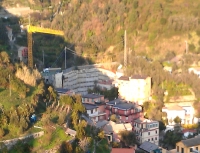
[
  {"x": 146, "y": 130},
  {"x": 123, "y": 150},
  {"x": 126, "y": 111},
  {"x": 112, "y": 129},
  {"x": 23, "y": 53},
  {"x": 189, "y": 145},
  {"x": 93, "y": 98},
  {"x": 150, "y": 147},
  {"x": 70, "y": 132},
  {"x": 136, "y": 88},
  {"x": 185, "y": 113},
  {"x": 195, "y": 71},
  {"x": 94, "y": 113}
]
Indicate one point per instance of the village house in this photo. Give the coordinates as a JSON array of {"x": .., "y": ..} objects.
[
  {"x": 146, "y": 130},
  {"x": 136, "y": 88},
  {"x": 94, "y": 112},
  {"x": 126, "y": 111},
  {"x": 189, "y": 145},
  {"x": 185, "y": 113},
  {"x": 105, "y": 84},
  {"x": 112, "y": 129},
  {"x": 95, "y": 106}
]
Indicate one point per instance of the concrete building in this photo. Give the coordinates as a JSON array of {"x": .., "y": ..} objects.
[
  {"x": 136, "y": 88},
  {"x": 189, "y": 145},
  {"x": 186, "y": 113},
  {"x": 126, "y": 111},
  {"x": 146, "y": 130},
  {"x": 83, "y": 79}
]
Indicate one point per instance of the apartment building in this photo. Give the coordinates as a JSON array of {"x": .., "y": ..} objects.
[
  {"x": 82, "y": 78},
  {"x": 189, "y": 145},
  {"x": 136, "y": 88},
  {"x": 146, "y": 130},
  {"x": 126, "y": 111}
]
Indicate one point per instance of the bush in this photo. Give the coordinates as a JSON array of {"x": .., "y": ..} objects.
[{"x": 2, "y": 132}]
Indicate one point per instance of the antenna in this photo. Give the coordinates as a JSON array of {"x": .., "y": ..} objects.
[{"x": 125, "y": 52}]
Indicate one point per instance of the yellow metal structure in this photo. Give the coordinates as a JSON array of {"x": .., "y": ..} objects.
[{"x": 33, "y": 29}]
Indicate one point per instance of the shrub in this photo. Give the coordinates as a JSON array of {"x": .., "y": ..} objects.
[{"x": 163, "y": 21}]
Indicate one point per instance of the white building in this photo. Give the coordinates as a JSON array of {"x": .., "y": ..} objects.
[
  {"x": 147, "y": 130},
  {"x": 195, "y": 71},
  {"x": 186, "y": 113},
  {"x": 136, "y": 88},
  {"x": 82, "y": 79}
]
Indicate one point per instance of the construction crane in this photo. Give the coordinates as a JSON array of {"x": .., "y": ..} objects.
[{"x": 33, "y": 29}]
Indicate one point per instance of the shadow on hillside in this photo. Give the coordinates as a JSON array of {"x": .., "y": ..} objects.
[{"x": 48, "y": 50}]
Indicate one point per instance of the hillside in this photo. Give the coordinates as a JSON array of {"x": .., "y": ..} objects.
[{"x": 152, "y": 27}]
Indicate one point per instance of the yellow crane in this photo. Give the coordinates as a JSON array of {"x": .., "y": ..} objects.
[{"x": 33, "y": 29}]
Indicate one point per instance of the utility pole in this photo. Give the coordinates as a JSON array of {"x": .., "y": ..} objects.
[
  {"x": 125, "y": 51},
  {"x": 186, "y": 47},
  {"x": 65, "y": 57},
  {"x": 43, "y": 57},
  {"x": 9, "y": 85}
]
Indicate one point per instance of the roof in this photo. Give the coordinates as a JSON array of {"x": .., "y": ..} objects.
[
  {"x": 62, "y": 90},
  {"x": 92, "y": 96},
  {"x": 174, "y": 107},
  {"x": 123, "y": 150},
  {"x": 122, "y": 104},
  {"x": 138, "y": 77},
  {"x": 148, "y": 146},
  {"x": 144, "y": 120},
  {"x": 192, "y": 142},
  {"x": 125, "y": 78},
  {"x": 70, "y": 131},
  {"x": 89, "y": 106}
]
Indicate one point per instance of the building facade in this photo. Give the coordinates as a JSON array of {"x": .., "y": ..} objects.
[
  {"x": 189, "y": 145},
  {"x": 125, "y": 111},
  {"x": 146, "y": 130},
  {"x": 185, "y": 113},
  {"x": 136, "y": 88}
]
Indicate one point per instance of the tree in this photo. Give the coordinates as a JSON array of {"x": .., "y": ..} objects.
[
  {"x": 161, "y": 126},
  {"x": 127, "y": 138},
  {"x": 113, "y": 118},
  {"x": 66, "y": 147},
  {"x": 2, "y": 132},
  {"x": 177, "y": 120}
]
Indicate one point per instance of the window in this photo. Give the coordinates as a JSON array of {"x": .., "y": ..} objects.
[
  {"x": 126, "y": 118},
  {"x": 148, "y": 133},
  {"x": 120, "y": 117},
  {"x": 148, "y": 139},
  {"x": 177, "y": 148},
  {"x": 92, "y": 100},
  {"x": 115, "y": 110},
  {"x": 155, "y": 138},
  {"x": 191, "y": 149},
  {"x": 151, "y": 139},
  {"x": 125, "y": 112},
  {"x": 91, "y": 111},
  {"x": 141, "y": 134},
  {"x": 156, "y": 131},
  {"x": 197, "y": 148}
]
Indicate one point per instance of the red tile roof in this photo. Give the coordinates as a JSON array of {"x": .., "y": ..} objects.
[{"x": 123, "y": 150}]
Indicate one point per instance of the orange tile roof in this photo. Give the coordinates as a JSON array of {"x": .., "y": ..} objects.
[{"x": 123, "y": 150}]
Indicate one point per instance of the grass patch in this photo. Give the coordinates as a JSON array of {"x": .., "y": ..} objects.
[{"x": 14, "y": 100}]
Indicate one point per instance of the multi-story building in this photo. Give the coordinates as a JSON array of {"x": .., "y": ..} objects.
[
  {"x": 189, "y": 145},
  {"x": 95, "y": 106},
  {"x": 146, "y": 130},
  {"x": 94, "y": 113},
  {"x": 136, "y": 88},
  {"x": 82, "y": 78},
  {"x": 126, "y": 111}
]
